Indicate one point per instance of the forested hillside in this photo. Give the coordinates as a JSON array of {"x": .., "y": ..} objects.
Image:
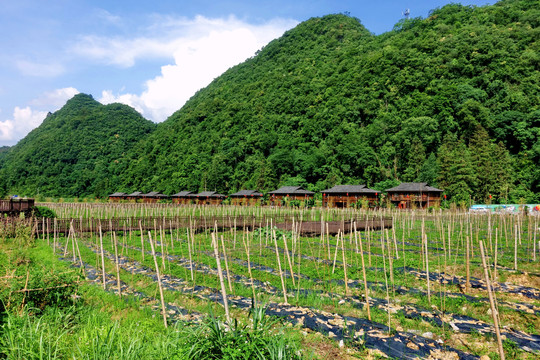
[
  {"x": 75, "y": 151},
  {"x": 452, "y": 100}
]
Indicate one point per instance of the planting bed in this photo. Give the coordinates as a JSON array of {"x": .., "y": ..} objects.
[{"x": 424, "y": 276}]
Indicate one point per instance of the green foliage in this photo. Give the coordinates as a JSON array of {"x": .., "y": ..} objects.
[
  {"x": 75, "y": 152},
  {"x": 43, "y": 212},
  {"x": 327, "y": 103},
  {"x": 258, "y": 340}
]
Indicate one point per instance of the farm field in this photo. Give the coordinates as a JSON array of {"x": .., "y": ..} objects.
[{"x": 412, "y": 284}]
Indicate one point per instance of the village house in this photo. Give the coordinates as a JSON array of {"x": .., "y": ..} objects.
[
  {"x": 342, "y": 196},
  {"x": 182, "y": 198},
  {"x": 134, "y": 196},
  {"x": 246, "y": 197},
  {"x": 411, "y": 195},
  {"x": 285, "y": 194},
  {"x": 117, "y": 197},
  {"x": 153, "y": 197},
  {"x": 208, "y": 198}
]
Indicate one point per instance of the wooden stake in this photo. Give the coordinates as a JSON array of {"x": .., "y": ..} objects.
[
  {"x": 492, "y": 302},
  {"x": 279, "y": 267},
  {"x": 289, "y": 259},
  {"x": 344, "y": 266},
  {"x": 158, "y": 279},
  {"x": 102, "y": 256},
  {"x": 366, "y": 293},
  {"x": 467, "y": 267},
  {"x": 220, "y": 273},
  {"x": 117, "y": 265},
  {"x": 227, "y": 264}
]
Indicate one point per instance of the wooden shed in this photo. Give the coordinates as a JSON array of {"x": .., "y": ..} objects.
[
  {"x": 246, "y": 197},
  {"x": 288, "y": 193},
  {"x": 153, "y": 197},
  {"x": 135, "y": 196},
  {"x": 409, "y": 195},
  {"x": 342, "y": 196},
  {"x": 117, "y": 197},
  {"x": 208, "y": 198},
  {"x": 182, "y": 198}
]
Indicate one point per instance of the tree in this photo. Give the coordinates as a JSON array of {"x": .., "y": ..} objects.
[{"x": 456, "y": 176}]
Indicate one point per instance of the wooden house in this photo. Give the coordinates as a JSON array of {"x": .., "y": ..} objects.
[
  {"x": 410, "y": 195},
  {"x": 153, "y": 197},
  {"x": 342, "y": 196},
  {"x": 117, "y": 197},
  {"x": 286, "y": 194},
  {"x": 182, "y": 198},
  {"x": 246, "y": 197},
  {"x": 135, "y": 196},
  {"x": 208, "y": 198},
  {"x": 16, "y": 205}
]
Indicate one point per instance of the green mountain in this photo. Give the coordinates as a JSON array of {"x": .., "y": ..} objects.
[
  {"x": 330, "y": 103},
  {"x": 75, "y": 152},
  {"x": 452, "y": 100}
]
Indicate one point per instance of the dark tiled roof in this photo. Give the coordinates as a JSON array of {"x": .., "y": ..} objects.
[
  {"x": 118, "y": 194},
  {"x": 413, "y": 187},
  {"x": 154, "y": 194},
  {"x": 136, "y": 193},
  {"x": 242, "y": 193},
  {"x": 349, "y": 189},
  {"x": 209, "y": 194},
  {"x": 291, "y": 190},
  {"x": 183, "y": 194}
]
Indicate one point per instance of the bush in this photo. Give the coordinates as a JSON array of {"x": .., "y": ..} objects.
[
  {"x": 43, "y": 212},
  {"x": 258, "y": 340}
]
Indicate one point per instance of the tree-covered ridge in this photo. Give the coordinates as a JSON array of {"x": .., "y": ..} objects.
[
  {"x": 330, "y": 103},
  {"x": 451, "y": 100},
  {"x": 76, "y": 151}
]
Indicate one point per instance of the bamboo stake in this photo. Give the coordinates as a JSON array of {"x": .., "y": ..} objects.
[
  {"x": 289, "y": 259},
  {"x": 386, "y": 281},
  {"x": 226, "y": 264},
  {"x": 366, "y": 293},
  {"x": 344, "y": 266},
  {"x": 427, "y": 271},
  {"x": 335, "y": 254},
  {"x": 142, "y": 240},
  {"x": 158, "y": 279},
  {"x": 117, "y": 265},
  {"x": 515, "y": 247},
  {"x": 494, "y": 312},
  {"x": 279, "y": 267},
  {"x": 102, "y": 256},
  {"x": 190, "y": 260},
  {"x": 220, "y": 273},
  {"x": 467, "y": 267}
]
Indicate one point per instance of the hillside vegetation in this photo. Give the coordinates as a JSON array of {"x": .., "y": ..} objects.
[
  {"x": 74, "y": 151},
  {"x": 451, "y": 100}
]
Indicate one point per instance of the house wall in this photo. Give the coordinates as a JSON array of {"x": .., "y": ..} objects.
[
  {"x": 182, "y": 201},
  {"x": 413, "y": 199},
  {"x": 277, "y": 200},
  {"x": 246, "y": 201},
  {"x": 208, "y": 201},
  {"x": 344, "y": 200}
]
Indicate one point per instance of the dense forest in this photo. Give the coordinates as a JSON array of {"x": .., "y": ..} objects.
[
  {"x": 452, "y": 100},
  {"x": 75, "y": 151}
]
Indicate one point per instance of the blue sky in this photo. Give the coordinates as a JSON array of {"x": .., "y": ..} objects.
[{"x": 152, "y": 55}]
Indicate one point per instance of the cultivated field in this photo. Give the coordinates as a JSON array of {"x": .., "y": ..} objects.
[{"x": 445, "y": 284}]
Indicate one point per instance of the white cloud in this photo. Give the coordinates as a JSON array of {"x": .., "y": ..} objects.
[
  {"x": 25, "y": 119},
  {"x": 55, "y": 99},
  {"x": 203, "y": 51}
]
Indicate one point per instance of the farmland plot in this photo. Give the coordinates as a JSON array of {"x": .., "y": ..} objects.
[{"x": 445, "y": 285}]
